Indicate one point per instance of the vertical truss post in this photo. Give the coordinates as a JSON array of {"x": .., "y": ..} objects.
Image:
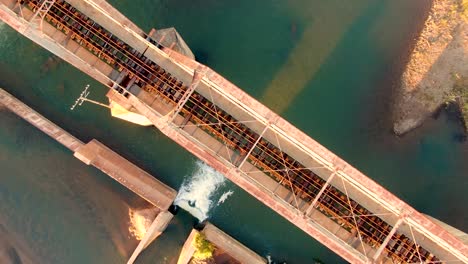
[
  {"x": 254, "y": 145},
  {"x": 41, "y": 12},
  {"x": 314, "y": 202},
  {"x": 119, "y": 79},
  {"x": 198, "y": 75},
  {"x": 387, "y": 239}
]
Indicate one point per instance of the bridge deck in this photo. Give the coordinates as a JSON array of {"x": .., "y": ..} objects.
[{"x": 255, "y": 148}]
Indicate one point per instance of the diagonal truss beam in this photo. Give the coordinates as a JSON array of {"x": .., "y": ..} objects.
[
  {"x": 198, "y": 75},
  {"x": 286, "y": 169},
  {"x": 351, "y": 209},
  {"x": 253, "y": 146},
  {"x": 416, "y": 245},
  {"x": 221, "y": 128},
  {"x": 387, "y": 239},
  {"x": 19, "y": 5},
  {"x": 314, "y": 202}
]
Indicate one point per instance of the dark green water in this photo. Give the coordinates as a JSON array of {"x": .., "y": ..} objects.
[{"x": 340, "y": 60}]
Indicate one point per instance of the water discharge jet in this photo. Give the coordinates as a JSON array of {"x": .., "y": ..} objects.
[{"x": 197, "y": 191}]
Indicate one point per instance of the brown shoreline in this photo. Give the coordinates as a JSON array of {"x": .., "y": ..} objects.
[
  {"x": 435, "y": 65},
  {"x": 382, "y": 104},
  {"x": 458, "y": 113}
]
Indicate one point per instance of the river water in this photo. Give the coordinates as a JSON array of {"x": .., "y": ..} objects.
[{"x": 330, "y": 67}]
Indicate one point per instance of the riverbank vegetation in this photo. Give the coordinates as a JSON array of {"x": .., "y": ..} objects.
[
  {"x": 204, "y": 249},
  {"x": 459, "y": 94}
]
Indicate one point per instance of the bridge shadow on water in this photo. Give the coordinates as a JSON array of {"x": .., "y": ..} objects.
[
  {"x": 317, "y": 42},
  {"x": 348, "y": 108}
]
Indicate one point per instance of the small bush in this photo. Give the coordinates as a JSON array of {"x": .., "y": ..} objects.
[
  {"x": 460, "y": 92},
  {"x": 204, "y": 249}
]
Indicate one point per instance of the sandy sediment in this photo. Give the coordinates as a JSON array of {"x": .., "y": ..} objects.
[
  {"x": 437, "y": 71},
  {"x": 13, "y": 249},
  {"x": 141, "y": 220}
]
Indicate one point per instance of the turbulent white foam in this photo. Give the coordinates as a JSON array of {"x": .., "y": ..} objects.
[
  {"x": 196, "y": 193},
  {"x": 224, "y": 197}
]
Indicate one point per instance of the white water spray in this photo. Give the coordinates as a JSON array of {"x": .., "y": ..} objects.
[
  {"x": 195, "y": 194},
  {"x": 224, "y": 197},
  {"x": 269, "y": 259}
]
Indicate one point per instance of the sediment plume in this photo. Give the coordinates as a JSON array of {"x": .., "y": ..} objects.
[{"x": 140, "y": 221}]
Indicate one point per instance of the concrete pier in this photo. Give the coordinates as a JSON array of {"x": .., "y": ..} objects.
[
  {"x": 236, "y": 251},
  {"x": 157, "y": 227},
  {"x": 231, "y": 246},
  {"x": 140, "y": 182},
  {"x": 39, "y": 121}
]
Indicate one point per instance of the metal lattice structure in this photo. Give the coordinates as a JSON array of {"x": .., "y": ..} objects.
[{"x": 42, "y": 10}]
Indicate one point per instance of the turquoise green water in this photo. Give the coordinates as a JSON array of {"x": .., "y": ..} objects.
[{"x": 339, "y": 60}]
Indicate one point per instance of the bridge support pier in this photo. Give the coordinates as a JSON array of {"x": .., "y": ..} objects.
[{"x": 157, "y": 227}]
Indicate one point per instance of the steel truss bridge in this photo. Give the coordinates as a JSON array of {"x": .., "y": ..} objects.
[{"x": 229, "y": 130}]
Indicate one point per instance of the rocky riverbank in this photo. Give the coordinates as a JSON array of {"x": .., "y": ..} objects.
[{"x": 437, "y": 71}]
